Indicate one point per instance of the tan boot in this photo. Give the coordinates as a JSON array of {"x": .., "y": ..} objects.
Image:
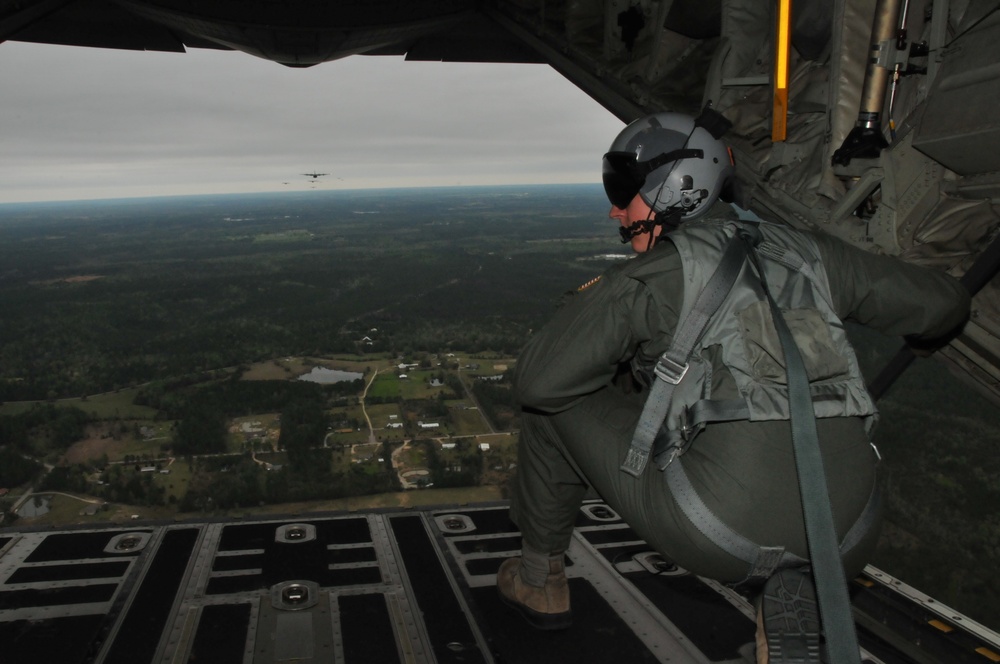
[
  {"x": 545, "y": 607},
  {"x": 761, "y": 640}
]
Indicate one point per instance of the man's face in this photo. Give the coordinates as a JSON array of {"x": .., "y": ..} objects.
[{"x": 635, "y": 211}]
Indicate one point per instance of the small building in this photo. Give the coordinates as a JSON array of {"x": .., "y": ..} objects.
[
  {"x": 485, "y": 447},
  {"x": 428, "y": 425},
  {"x": 394, "y": 425},
  {"x": 447, "y": 446}
]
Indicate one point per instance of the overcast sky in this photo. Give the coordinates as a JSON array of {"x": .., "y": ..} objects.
[{"x": 81, "y": 123}]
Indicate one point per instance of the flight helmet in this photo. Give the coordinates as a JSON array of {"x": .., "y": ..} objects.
[{"x": 676, "y": 162}]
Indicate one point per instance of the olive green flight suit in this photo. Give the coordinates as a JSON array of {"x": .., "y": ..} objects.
[{"x": 578, "y": 419}]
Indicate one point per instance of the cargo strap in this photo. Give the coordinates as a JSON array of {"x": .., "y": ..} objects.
[{"x": 821, "y": 533}]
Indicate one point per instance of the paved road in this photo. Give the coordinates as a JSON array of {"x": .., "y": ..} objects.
[{"x": 371, "y": 430}]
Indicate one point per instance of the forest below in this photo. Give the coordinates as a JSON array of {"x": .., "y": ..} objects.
[{"x": 99, "y": 297}]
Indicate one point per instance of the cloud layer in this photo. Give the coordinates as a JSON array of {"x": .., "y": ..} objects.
[{"x": 91, "y": 123}]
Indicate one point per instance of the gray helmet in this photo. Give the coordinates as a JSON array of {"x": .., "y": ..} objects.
[{"x": 671, "y": 160}]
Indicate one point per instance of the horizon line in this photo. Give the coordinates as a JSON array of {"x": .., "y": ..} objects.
[{"x": 121, "y": 199}]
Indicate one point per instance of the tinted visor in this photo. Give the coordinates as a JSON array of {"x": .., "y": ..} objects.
[
  {"x": 624, "y": 176},
  {"x": 622, "y": 179}
]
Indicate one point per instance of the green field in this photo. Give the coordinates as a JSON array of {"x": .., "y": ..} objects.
[
  {"x": 110, "y": 405},
  {"x": 467, "y": 420},
  {"x": 385, "y": 386},
  {"x": 177, "y": 481}
]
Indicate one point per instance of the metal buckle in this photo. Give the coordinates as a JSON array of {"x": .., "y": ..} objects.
[
  {"x": 670, "y": 371},
  {"x": 684, "y": 425},
  {"x": 672, "y": 453}
]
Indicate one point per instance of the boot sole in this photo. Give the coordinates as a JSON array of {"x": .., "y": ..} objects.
[
  {"x": 548, "y": 622},
  {"x": 791, "y": 618}
]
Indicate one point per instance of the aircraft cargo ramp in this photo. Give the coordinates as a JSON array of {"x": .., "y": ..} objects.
[{"x": 408, "y": 586}]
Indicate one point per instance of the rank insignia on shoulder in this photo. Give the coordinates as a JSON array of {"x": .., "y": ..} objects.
[{"x": 588, "y": 284}]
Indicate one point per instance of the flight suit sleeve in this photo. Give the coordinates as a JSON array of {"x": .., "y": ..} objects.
[
  {"x": 896, "y": 298},
  {"x": 579, "y": 350}
]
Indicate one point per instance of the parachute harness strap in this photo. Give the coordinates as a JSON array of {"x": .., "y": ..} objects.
[{"x": 673, "y": 365}]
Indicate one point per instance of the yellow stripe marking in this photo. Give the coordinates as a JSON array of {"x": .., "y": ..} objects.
[
  {"x": 937, "y": 624},
  {"x": 779, "y": 110},
  {"x": 988, "y": 654}
]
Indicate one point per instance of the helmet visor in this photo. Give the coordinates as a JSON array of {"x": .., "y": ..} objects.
[{"x": 622, "y": 179}]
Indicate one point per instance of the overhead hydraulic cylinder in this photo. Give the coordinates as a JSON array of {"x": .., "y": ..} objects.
[{"x": 866, "y": 140}]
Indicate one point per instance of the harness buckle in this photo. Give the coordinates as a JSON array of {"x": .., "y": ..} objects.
[
  {"x": 672, "y": 454},
  {"x": 670, "y": 371},
  {"x": 669, "y": 455},
  {"x": 684, "y": 426}
]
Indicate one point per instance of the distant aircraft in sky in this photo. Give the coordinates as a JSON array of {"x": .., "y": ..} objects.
[{"x": 315, "y": 175}]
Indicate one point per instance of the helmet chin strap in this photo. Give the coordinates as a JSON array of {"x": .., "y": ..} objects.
[{"x": 669, "y": 219}]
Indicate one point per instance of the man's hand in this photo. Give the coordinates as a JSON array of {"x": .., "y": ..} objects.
[{"x": 925, "y": 347}]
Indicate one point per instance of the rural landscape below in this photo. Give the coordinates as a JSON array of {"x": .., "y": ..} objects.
[{"x": 198, "y": 357}]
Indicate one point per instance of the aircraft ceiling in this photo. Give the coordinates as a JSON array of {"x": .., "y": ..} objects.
[
  {"x": 918, "y": 178},
  {"x": 297, "y": 33}
]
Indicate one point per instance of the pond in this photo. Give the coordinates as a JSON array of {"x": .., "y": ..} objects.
[
  {"x": 34, "y": 506},
  {"x": 329, "y": 376}
]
